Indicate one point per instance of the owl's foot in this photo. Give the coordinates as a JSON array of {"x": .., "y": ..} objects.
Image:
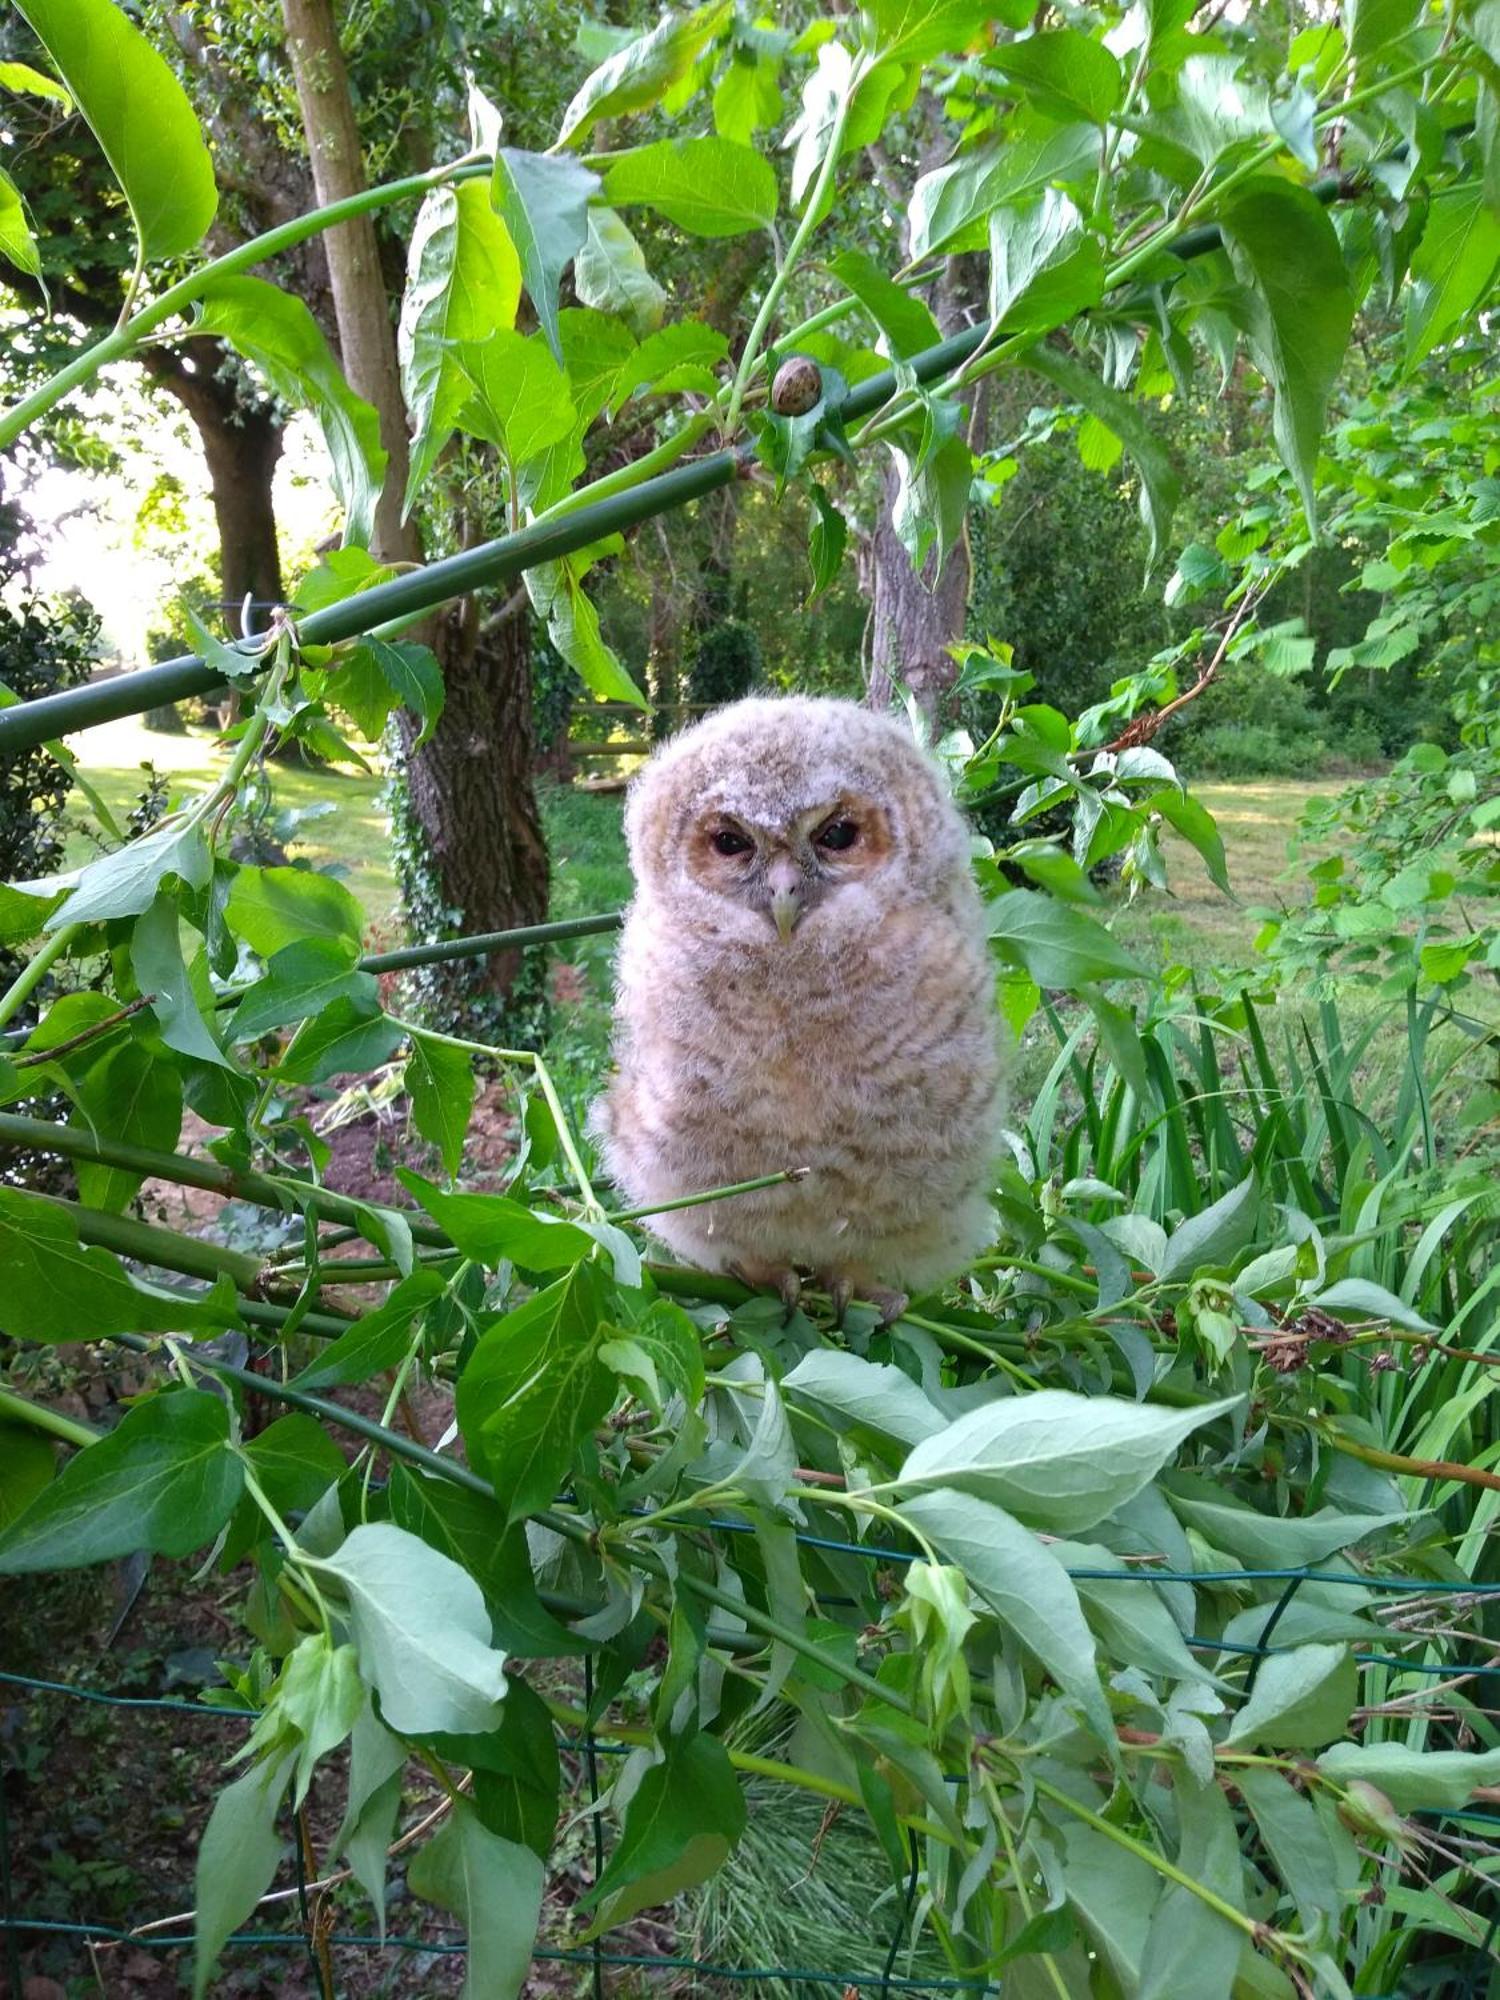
[
  {"x": 781, "y": 1279},
  {"x": 842, "y": 1290}
]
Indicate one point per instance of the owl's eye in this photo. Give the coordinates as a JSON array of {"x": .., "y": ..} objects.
[
  {"x": 727, "y": 841},
  {"x": 837, "y": 835}
]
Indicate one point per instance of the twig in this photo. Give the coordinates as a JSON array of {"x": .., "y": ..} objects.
[
  {"x": 90, "y": 1034},
  {"x": 1141, "y": 728}
]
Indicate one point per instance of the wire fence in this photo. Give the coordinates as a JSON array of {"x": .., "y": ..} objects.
[{"x": 167, "y": 1935}]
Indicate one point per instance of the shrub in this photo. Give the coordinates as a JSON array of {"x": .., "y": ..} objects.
[
  {"x": 726, "y": 663},
  {"x": 1253, "y": 750}
]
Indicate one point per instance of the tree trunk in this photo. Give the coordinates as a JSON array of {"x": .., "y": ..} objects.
[{"x": 473, "y": 857}]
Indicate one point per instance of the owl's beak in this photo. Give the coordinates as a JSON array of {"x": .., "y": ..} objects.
[{"x": 788, "y": 894}]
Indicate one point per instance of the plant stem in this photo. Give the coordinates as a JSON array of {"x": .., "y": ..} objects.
[
  {"x": 36, "y": 969},
  {"x": 37, "y": 1417},
  {"x": 117, "y": 345},
  {"x": 709, "y": 1194}
]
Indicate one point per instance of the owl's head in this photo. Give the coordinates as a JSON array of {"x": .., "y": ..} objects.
[{"x": 793, "y": 815}]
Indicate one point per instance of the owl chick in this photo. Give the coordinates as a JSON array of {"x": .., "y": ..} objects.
[{"x": 803, "y": 981}]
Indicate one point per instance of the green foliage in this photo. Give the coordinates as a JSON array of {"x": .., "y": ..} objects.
[
  {"x": 1207, "y": 1228},
  {"x": 726, "y": 663}
]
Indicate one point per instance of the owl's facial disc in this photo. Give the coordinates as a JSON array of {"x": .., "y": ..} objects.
[{"x": 785, "y": 871}]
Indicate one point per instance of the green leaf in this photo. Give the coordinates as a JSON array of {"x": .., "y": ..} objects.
[
  {"x": 827, "y": 538},
  {"x": 165, "y": 1479},
  {"x": 681, "y": 1826},
  {"x": 610, "y": 272},
  {"x": 1058, "y": 947},
  {"x": 671, "y": 1344},
  {"x": 16, "y": 240},
  {"x": 1215, "y": 1235},
  {"x": 932, "y": 499},
  {"x": 1452, "y": 268},
  {"x": 865, "y": 1397},
  {"x": 533, "y": 1387},
  {"x": 1190, "y": 1948},
  {"x": 491, "y": 1227},
  {"x": 949, "y": 206},
  {"x": 133, "y": 1096},
  {"x": 124, "y": 883},
  {"x": 300, "y": 980},
  {"x": 746, "y": 97},
  {"x": 517, "y": 1771},
  {"x": 905, "y": 321},
  {"x": 278, "y": 334},
  {"x": 28, "y": 1461},
  {"x": 51, "y": 1288},
  {"x": 1130, "y": 1617},
  {"x": 463, "y": 281},
  {"x": 1372, "y": 25},
  {"x": 1195, "y": 823},
  {"x": 1160, "y": 484},
  {"x": 1297, "y": 313},
  {"x": 557, "y": 595},
  {"x": 1299, "y": 1843},
  {"x": 1066, "y": 73},
  {"x": 237, "y": 1859},
  {"x": 140, "y": 115},
  {"x": 422, "y": 1630},
  {"x": 494, "y": 1887},
  {"x": 1360, "y": 1298},
  {"x": 22, "y": 78},
  {"x": 1044, "y": 267},
  {"x": 709, "y": 187},
  {"x": 440, "y": 1079},
  {"x": 342, "y": 1039},
  {"x": 1413, "y": 1778},
  {"x": 1057, "y": 1460},
  {"x": 521, "y": 391},
  {"x": 157, "y": 961},
  {"x": 272, "y": 907},
  {"x": 914, "y": 31},
  {"x": 376, "y": 1760},
  {"x": 1301, "y": 1700},
  {"x": 543, "y": 201},
  {"x": 377, "y": 1340},
  {"x": 640, "y": 74},
  {"x": 1272, "y": 1541},
  {"x": 1024, "y": 1585},
  {"x": 22, "y": 916}
]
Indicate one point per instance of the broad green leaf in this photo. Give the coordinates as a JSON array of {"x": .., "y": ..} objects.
[
  {"x": 1214, "y": 1236},
  {"x": 640, "y": 74},
  {"x": 1058, "y": 947},
  {"x": 237, "y": 1859},
  {"x": 129, "y": 1094},
  {"x": 1412, "y": 1778},
  {"x": 521, "y": 392},
  {"x": 1065, "y": 72},
  {"x": 932, "y": 500},
  {"x": 558, "y": 595},
  {"x": 746, "y": 97},
  {"x": 517, "y": 1771},
  {"x": 1113, "y": 1892},
  {"x": 440, "y": 1079},
  {"x": 1044, "y": 266},
  {"x": 300, "y": 980},
  {"x": 1297, "y": 313},
  {"x": 124, "y": 883},
  {"x": 1218, "y": 111},
  {"x": 23, "y": 79},
  {"x": 1319, "y": 1867},
  {"x": 1452, "y": 268},
  {"x": 533, "y": 1387},
  {"x": 1023, "y": 1584},
  {"x": 278, "y": 334},
  {"x": 1195, "y": 823},
  {"x": 295, "y": 1461},
  {"x": 1271, "y": 1541},
  {"x": 22, "y": 916},
  {"x": 1301, "y": 1700},
  {"x": 595, "y": 349},
  {"x": 494, "y": 1887},
  {"x": 709, "y": 187},
  {"x": 543, "y": 201},
  {"x": 1372, "y": 25},
  {"x": 376, "y": 1761},
  {"x": 906, "y": 323},
  {"x": 413, "y": 675},
  {"x": 491, "y": 1227},
  {"x": 16, "y": 240},
  {"x": 681, "y": 1826},
  {"x": 1190, "y": 1949},
  {"x": 1129, "y": 1616},
  {"x": 1160, "y": 483},
  {"x": 914, "y": 31},
  {"x": 668, "y": 1340},
  {"x": 471, "y": 1529},
  {"x": 51, "y": 1288},
  {"x": 609, "y": 272},
  {"x": 1360, "y": 1298},
  {"x": 463, "y": 281},
  {"x": 950, "y": 206},
  {"x": 827, "y": 538},
  {"x": 377, "y": 1340},
  {"x": 28, "y": 1461},
  {"x": 165, "y": 1480},
  {"x": 372, "y": 676},
  {"x": 272, "y": 907},
  {"x": 158, "y": 964},
  {"x": 140, "y": 115},
  {"x": 343, "y": 1038},
  {"x": 422, "y": 1630},
  {"x": 1057, "y": 1460},
  {"x": 318, "y": 1695},
  {"x": 681, "y": 356},
  {"x": 865, "y": 1395}
]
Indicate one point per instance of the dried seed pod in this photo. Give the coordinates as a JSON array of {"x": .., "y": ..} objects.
[{"x": 798, "y": 387}]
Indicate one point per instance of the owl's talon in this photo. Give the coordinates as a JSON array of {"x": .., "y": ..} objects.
[
  {"x": 840, "y": 1292},
  {"x": 890, "y": 1305},
  {"x": 789, "y": 1285}
]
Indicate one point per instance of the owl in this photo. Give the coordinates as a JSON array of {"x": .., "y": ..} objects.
[{"x": 803, "y": 982}]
